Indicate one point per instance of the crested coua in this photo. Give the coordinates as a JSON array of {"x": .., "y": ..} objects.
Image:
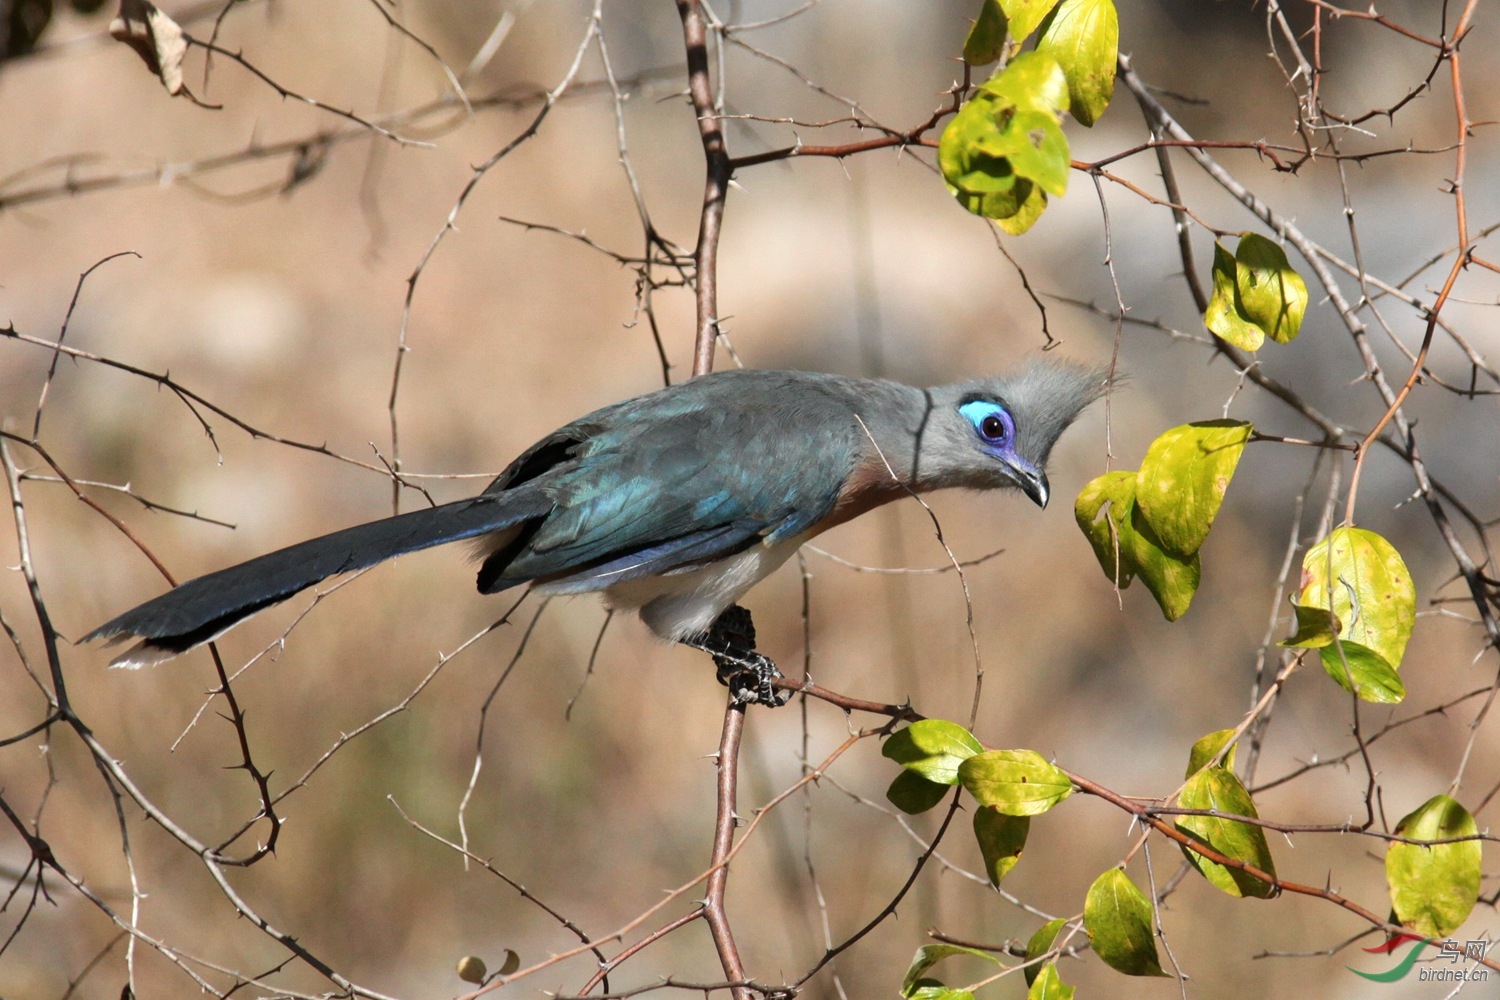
[{"x": 675, "y": 503}]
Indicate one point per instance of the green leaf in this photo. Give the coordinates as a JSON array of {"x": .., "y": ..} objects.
[
  {"x": 1016, "y": 782},
  {"x": 1272, "y": 295},
  {"x": 1117, "y": 917},
  {"x": 929, "y": 955},
  {"x": 1434, "y": 888},
  {"x": 1048, "y": 985},
  {"x": 1040, "y": 944},
  {"x": 1025, "y": 15},
  {"x": 1084, "y": 37},
  {"x": 1358, "y": 604},
  {"x": 1224, "y": 317},
  {"x": 1001, "y": 840},
  {"x": 1183, "y": 478},
  {"x": 1218, "y": 788},
  {"x": 987, "y": 38},
  {"x": 933, "y": 748},
  {"x": 913, "y": 794},
  {"x": 1362, "y": 671},
  {"x": 1204, "y": 750},
  {"x": 1172, "y": 580}
]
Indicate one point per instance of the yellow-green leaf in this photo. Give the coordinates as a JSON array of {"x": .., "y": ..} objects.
[
  {"x": 1001, "y": 839},
  {"x": 1031, "y": 94},
  {"x": 1224, "y": 317},
  {"x": 1372, "y": 591},
  {"x": 964, "y": 150},
  {"x": 1124, "y": 533},
  {"x": 983, "y": 183},
  {"x": 1172, "y": 579},
  {"x": 1355, "y": 582},
  {"x": 1219, "y": 789},
  {"x": 1362, "y": 671},
  {"x": 1032, "y": 207},
  {"x": 1434, "y": 888},
  {"x": 1316, "y": 628},
  {"x": 1204, "y": 750},
  {"x": 1007, "y": 141},
  {"x": 1117, "y": 917},
  {"x": 1034, "y": 142},
  {"x": 1040, "y": 944},
  {"x": 1084, "y": 37},
  {"x": 1015, "y": 782},
  {"x": 913, "y": 794},
  {"x": 1048, "y": 985},
  {"x": 1272, "y": 295},
  {"x": 1025, "y": 15},
  {"x": 1105, "y": 529},
  {"x": 987, "y": 38},
  {"x": 929, "y": 955},
  {"x": 1032, "y": 81},
  {"x": 1256, "y": 294},
  {"x": 1183, "y": 478},
  {"x": 933, "y": 748}
]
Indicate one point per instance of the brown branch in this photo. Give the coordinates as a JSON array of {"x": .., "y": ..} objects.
[
  {"x": 1335, "y": 13},
  {"x": 725, "y": 819},
  {"x": 290, "y": 94},
  {"x": 717, "y": 172},
  {"x": 1145, "y": 813},
  {"x": 890, "y": 140},
  {"x": 838, "y": 151}
]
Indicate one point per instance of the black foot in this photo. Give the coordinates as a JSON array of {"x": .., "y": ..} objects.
[{"x": 750, "y": 676}]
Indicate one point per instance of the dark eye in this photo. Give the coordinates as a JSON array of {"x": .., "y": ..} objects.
[{"x": 989, "y": 420}]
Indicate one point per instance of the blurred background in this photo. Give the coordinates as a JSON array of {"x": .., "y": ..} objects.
[{"x": 270, "y": 247}]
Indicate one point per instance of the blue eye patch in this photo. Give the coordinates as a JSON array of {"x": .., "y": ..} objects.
[{"x": 990, "y": 420}]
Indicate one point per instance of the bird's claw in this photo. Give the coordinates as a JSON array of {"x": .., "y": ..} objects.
[
  {"x": 750, "y": 676},
  {"x": 751, "y": 679}
]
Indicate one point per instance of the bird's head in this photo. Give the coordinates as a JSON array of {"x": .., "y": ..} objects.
[{"x": 997, "y": 432}]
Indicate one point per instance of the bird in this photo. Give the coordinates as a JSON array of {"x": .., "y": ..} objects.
[{"x": 675, "y": 503}]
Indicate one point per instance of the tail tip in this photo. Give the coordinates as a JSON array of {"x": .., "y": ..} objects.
[{"x": 143, "y": 654}]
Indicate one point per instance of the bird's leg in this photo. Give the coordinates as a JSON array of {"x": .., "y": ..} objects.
[{"x": 750, "y": 676}]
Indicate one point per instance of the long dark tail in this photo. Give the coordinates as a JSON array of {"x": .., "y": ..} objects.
[{"x": 201, "y": 609}]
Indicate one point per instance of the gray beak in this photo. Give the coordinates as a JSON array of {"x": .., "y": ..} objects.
[{"x": 1033, "y": 483}]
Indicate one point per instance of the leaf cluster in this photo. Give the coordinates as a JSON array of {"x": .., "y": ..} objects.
[
  {"x": 1005, "y": 151},
  {"x": 1151, "y": 523}
]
